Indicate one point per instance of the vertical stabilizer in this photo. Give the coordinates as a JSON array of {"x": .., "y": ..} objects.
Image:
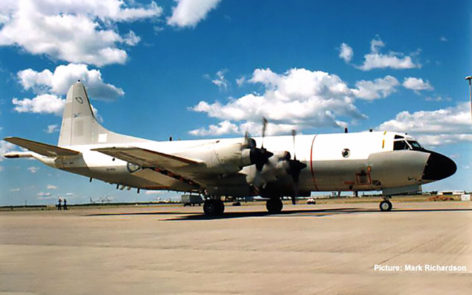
[{"x": 79, "y": 125}]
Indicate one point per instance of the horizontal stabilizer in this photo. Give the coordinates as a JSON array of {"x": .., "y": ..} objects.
[
  {"x": 147, "y": 158},
  {"x": 41, "y": 148}
]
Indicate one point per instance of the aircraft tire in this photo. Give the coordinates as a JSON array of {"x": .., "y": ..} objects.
[
  {"x": 213, "y": 207},
  {"x": 274, "y": 206},
  {"x": 385, "y": 206},
  {"x": 221, "y": 207}
]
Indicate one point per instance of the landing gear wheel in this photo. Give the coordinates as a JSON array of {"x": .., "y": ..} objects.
[
  {"x": 274, "y": 206},
  {"x": 385, "y": 205},
  {"x": 221, "y": 207},
  {"x": 213, "y": 207}
]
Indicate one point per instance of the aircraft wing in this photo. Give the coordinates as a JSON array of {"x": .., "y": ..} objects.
[
  {"x": 148, "y": 158},
  {"x": 41, "y": 148}
]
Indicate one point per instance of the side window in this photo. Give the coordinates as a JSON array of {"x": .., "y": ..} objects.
[{"x": 400, "y": 145}]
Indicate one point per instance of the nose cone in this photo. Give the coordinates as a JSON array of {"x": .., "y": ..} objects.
[{"x": 438, "y": 167}]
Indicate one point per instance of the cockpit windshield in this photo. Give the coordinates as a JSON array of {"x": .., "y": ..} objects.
[
  {"x": 400, "y": 145},
  {"x": 406, "y": 145}
]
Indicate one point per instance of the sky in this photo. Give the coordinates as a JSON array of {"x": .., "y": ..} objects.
[{"x": 195, "y": 69}]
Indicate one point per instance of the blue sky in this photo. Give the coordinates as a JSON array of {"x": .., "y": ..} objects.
[{"x": 196, "y": 69}]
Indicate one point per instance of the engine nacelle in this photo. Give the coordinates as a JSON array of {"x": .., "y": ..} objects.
[{"x": 223, "y": 157}]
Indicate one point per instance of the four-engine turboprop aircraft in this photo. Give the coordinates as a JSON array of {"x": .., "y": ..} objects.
[{"x": 271, "y": 167}]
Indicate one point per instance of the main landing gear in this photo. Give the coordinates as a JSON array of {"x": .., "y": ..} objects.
[
  {"x": 274, "y": 205},
  {"x": 213, "y": 207},
  {"x": 385, "y": 205}
]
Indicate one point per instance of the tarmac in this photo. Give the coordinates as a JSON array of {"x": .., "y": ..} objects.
[{"x": 418, "y": 248}]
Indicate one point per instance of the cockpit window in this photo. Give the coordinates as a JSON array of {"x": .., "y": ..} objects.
[
  {"x": 406, "y": 145},
  {"x": 400, "y": 145},
  {"x": 399, "y": 137},
  {"x": 415, "y": 145}
]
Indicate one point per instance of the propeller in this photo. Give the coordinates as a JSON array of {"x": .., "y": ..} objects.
[
  {"x": 270, "y": 168},
  {"x": 294, "y": 169},
  {"x": 259, "y": 156}
]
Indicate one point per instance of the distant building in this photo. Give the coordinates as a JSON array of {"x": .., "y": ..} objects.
[{"x": 452, "y": 193}]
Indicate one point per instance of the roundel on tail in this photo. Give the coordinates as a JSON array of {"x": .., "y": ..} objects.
[{"x": 79, "y": 99}]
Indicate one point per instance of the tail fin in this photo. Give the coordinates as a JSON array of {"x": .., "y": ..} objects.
[{"x": 79, "y": 125}]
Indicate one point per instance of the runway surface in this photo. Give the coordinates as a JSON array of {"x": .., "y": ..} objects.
[{"x": 321, "y": 249}]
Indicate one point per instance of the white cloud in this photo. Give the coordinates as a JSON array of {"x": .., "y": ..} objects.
[
  {"x": 188, "y": 13},
  {"x": 42, "y": 104},
  {"x": 74, "y": 31},
  {"x": 14, "y": 190},
  {"x": 223, "y": 127},
  {"x": 241, "y": 80},
  {"x": 346, "y": 52},
  {"x": 5, "y": 147},
  {"x": 45, "y": 196},
  {"x": 298, "y": 97},
  {"x": 33, "y": 169},
  {"x": 58, "y": 83},
  {"x": 52, "y": 128},
  {"x": 443, "y": 39},
  {"x": 131, "y": 39},
  {"x": 443, "y": 126},
  {"x": 154, "y": 192},
  {"x": 416, "y": 84},
  {"x": 220, "y": 80},
  {"x": 438, "y": 98},
  {"x": 51, "y": 187},
  {"x": 377, "y": 60},
  {"x": 379, "y": 88}
]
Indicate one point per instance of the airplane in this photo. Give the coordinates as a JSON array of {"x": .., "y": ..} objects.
[{"x": 269, "y": 166}]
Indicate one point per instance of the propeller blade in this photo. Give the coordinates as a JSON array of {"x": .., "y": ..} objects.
[
  {"x": 260, "y": 156},
  {"x": 264, "y": 127},
  {"x": 294, "y": 169},
  {"x": 294, "y": 134}
]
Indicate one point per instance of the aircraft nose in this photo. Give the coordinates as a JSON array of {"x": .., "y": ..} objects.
[{"x": 438, "y": 167}]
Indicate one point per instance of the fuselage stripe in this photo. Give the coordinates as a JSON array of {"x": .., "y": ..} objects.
[{"x": 311, "y": 164}]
